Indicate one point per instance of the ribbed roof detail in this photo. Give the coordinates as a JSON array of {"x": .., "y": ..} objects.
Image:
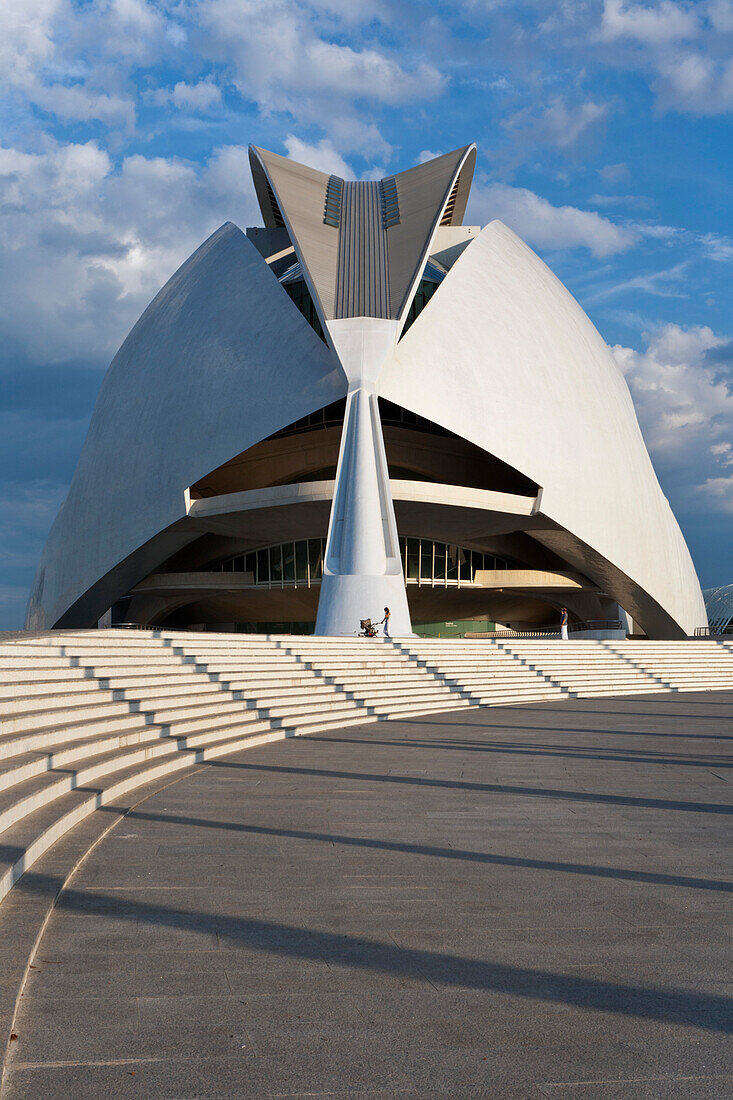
[
  {"x": 362, "y": 283},
  {"x": 362, "y": 246}
]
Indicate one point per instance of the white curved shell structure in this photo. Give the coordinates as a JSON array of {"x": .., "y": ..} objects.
[
  {"x": 506, "y": 357},
  {"x": 363, "y": 371}
]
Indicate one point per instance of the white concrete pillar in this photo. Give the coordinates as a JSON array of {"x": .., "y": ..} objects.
[{"x": 362, "y": 570}]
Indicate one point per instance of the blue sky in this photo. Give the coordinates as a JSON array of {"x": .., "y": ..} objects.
[{"x": 604, "y": 140}]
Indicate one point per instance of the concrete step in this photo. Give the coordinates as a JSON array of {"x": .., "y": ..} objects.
[{"x": 30, "y": 835}]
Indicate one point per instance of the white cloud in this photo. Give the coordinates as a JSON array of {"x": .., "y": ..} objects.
[
  {"x": 685, "y": 406},
  {"x": 546, "y": 226},
  {"x": 87, "y": 245},
  {"x": 614, "y": 173},
  {"x": 26, "y": 37},
  {"x": 686, "y": 48},
  {"x": 201, "y": 96},
  {"x": 695, "y": 82},
  {"x": 559, "y": 124},
  {"x": 719, "y": 493},
  {"x": 321, "y": 156},
  {"x": 639, "y": 202},
  {"x": 278, "y": 57},
  {"x": 663, "y": 22},
  {"x": 76, "y": 62},
  {"x": 663, "y": 284}
]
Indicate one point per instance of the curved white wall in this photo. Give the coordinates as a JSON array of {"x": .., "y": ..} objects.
[
  {"x": 505, "y": 357},
  {"x": 219, "y": 360},
  {"x": 502, "y": 355}
]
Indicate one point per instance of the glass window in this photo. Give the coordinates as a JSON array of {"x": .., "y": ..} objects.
[
  {"x": 441, "y": 552},
  {"x": 288, "y": 552},
  {"x": 276, "y": 564},
  {"x": 301, "y": 561},
  {"x": 413, "y": 558},
  {"x": 263, "y": 567},
  {"x": 426, "y": 560},
  {"x": 250, "y": 564},
  {"x": 453, "y": 557},
  {"x": 315, "y": 558}
]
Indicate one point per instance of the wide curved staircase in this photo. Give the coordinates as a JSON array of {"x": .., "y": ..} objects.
[{"x": 88, "y": 717}]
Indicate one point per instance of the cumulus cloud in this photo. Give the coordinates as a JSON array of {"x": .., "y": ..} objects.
[
  {"x": 278, "y": 56},
  {"x": 87, "y": 244},
  {"x": 686, "y": 47},
  {"x": 76, "y": 62},
  {"x": 663, "y": 22},
  {"x": 546, "y": 226},
  {"x": 696, "y": 83},
  {"x": 200, "y": 96},
  {"x": 321, "y": 156},
  {"x": 718, "y": 491},
  {"x": 682, "y": 387}
]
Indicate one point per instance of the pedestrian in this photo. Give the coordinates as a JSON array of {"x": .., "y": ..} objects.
[
  {"x": 385, "y": 621},
  {"x": 564, "y": 624}
]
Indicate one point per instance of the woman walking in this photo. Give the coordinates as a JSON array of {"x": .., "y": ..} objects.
[{"x": 385, "y": 621}]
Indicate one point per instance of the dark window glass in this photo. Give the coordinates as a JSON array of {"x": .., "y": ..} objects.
[
  {"x": 315, "y": 558},
  {"x": 453, "y": 559},
  {"x": 276, "y": 565},
  {"x": 413, "y": 551},
  {"x": 300, "y": 296},
  {"x": 301, "y": 561},
  {"x": 263, "y": 567},
  {"x": 440, "y": 555},
  {"x": 289, "y": 561},
  {"x": 426, "y": 560}
]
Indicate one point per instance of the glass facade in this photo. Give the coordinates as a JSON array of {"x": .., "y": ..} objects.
[
  {"x": 431, "y": 280},
  {"x": 287, "y": 564},
  {"x": 719, "y": 607},
  {"x": 294, "y": 285},
  {"x": 424, "y": 293},
  {"x": 299, "y": 294},
  {"x": 425, "y": 562}
]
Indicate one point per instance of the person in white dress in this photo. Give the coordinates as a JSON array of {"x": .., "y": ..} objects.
[{"x": 564, "y": 624}]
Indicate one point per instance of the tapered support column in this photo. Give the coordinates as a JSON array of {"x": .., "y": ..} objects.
[{"x": 362, "y": 571}]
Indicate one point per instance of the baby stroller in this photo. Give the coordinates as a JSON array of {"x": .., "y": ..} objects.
[{"x": 368, "y": 629}]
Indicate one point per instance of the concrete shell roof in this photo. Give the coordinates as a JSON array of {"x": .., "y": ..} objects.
[
  {"x": 219, "y": 360},
  {"x": 505, "y": 357},
  {"x": 502, "y": 355},
  {"x": 363, "y": 245}
]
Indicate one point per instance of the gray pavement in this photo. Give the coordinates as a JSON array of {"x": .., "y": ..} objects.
[{"x": 513, "y": 902}]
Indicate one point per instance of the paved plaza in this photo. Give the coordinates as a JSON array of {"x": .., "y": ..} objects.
[{"x": 510, "y": 902}]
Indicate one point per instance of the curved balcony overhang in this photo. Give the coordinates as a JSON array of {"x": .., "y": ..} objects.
[{"x": 450, "y": 513}]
